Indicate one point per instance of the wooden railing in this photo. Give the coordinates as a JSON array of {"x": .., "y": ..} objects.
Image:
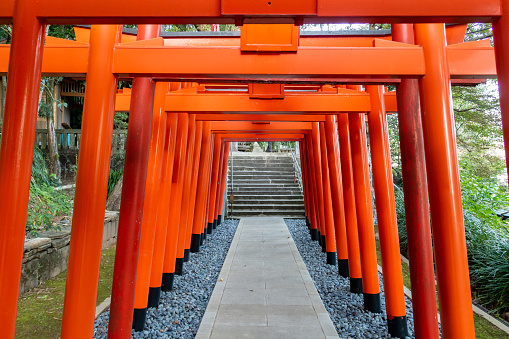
[{"x": 70, "y": 139}]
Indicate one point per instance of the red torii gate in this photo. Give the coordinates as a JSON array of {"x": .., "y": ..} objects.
[{"x": 24, "y": 80}]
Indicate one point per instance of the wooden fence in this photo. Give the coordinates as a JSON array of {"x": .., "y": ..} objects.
[{"x": 69, "y": 139}]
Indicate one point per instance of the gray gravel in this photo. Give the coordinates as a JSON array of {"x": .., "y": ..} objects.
[
  {"x": 345, "y": 308},
  {"x": 181, "y": 310}
]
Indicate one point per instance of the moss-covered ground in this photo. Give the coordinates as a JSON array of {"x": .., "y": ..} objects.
[{"x": 40, "y": 309}]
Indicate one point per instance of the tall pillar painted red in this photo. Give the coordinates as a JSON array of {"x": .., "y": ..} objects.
[
  {"x": 133, "y": 196},
  {"x": 420, "y": 251},
  {"x": 186, "y": 195},
  {"x": 222, "y": 183},
  {"x": 157, "y": 279},
  {"x": 216, "y": 160},
  {"x": 444, "y": 186},
  {"x": 363, "y": 204},
  {"x": 386, "y": 213},
  {"x": 331, "y": 135},
  {"x": 194, "y": 183},
  {"x": 201, "y": 193},
  {"x": 501, "y": 39},
  {"x": 18, "y": 137},
  {"x": 327, "y": 200},
  {"x": 317, "y": 162},
  {"x": 179, "y": 166},
  {"x": 91, "y": 186},
  {"x": 148, "y": 230},
  {"x": 317, "y": 192},
  {"x": 354, "y": 260}
]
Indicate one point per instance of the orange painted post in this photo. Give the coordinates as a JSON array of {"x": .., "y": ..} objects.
[
  {"x": 444, "y": 186},
  {"x": 148, "y": 230},
  {"x": 194, "y": 184},
  {"x": 386, "y": 214},
  {"x": 330, "y": 234},
  {"x": 331, "y": 134},
  {"x": 177, "y": 185},
  {"x": 133, "y": 195},
  {"x": 314, "y": 170},
  {"x": 207, "y": 227},
  {"x": 354, "y": 260},
  {"x": 219, "y": 179},
  {"x": 370, "y": 285},
  {"x": 222, "y": 184},
  {"x": 91, "y": 186},
  {"x": 186, "y": 195},
  {"x": 315, "y": 224},
  {"x": 216, "y": 160},
  {"x": 500, "y": 29},
  {"x": 163, "y": 210},
  {"x": 304, "y": 184},
  {"x": 18, "y": 136},
  {"x": 201, "y": 193},
  {"x": 315, "y": 141},
  {"x": 420, "y": 251}
]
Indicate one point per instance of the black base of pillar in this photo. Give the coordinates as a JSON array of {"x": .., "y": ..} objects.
[
  {"x": 154, "y": 294},
  {"x": 314, "y": 234},
  {"x": 219, "y": 219},
  {"x": 372, "y": 303},
  {"x": 356, "y": 285},
  {"x": 319, "y": 238},
  {"x": 398, "y": 327},
  {"x": 179, "y": 266},
  {"x": 210, "y": 227},
  {"x": 187, "y": 254},
  {"x": 195, "y": 243},
  {"x": 203, "y": 237},
  {"x": 214, "y": 224},
  {"x": 308, "y": 225},
  {"x": 331, "y": 258},
  {"x": 343, "y": 268},
  {"x": 139, "y": 318},
  {"x": 167, "y": 283},
  {"x": 324, "y": 244}
]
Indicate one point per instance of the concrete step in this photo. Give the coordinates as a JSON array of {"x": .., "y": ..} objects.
[
  {"x": 261, "y": 197},
  {"x": 243, "y": 213},
  {"x": 268, "y": 190},
  {"x": 268, "y": 182},
  {"x": 263, "y": 207},
  {"x": 261, "y": 174},
  {"x": 264, "y": 185},
  {"x": 250, "y": 168},
  {"x": 267, "y": 202}
]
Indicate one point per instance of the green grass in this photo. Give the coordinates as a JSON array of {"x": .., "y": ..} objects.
[
  {"x": 40, "y": 309},
  {"x": 483, "y": 328}
]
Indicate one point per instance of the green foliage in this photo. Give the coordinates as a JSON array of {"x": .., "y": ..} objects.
[
  {"x": 121, "y": 120},
  {"x": 44, "y": 202},
  {"x": 113, "y": 179}
]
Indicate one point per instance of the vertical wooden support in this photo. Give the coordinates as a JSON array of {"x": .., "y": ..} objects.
[
  {"x": 91, "y": 186},
  {"x": 315, "y": 142},
  {"x": 303, "y": 168},
  {"x": 501, "y": 38},
  {"x": 222, "y": 183},
  {"x": 207, "y": 227},
  {"x": 163, "y": 210},
  {"x": 148, "y": 230},
  {"x": 315, "y": 222},
  {"x": 194, "y": 184},
  {"x": 186, "y": 194},
  {"x": 218, "y": 191},
  {"x": 354, "y": 261},
  {"x": 363, "y": 204},
  {"x": 133, "y": 195},
  {"x": 420, "y": 252},
  {"x": 18, "y": 137},
  {"x": 444, "y": 187},
  {"x": 327, "y": 200},
  {"x": 201, "y": 193},
  {"x": 331, "y": 135},
  {"x": 216, "y": 159},
  {"x": 177, "y": 183},
  {"x": 386, "y": 214}
]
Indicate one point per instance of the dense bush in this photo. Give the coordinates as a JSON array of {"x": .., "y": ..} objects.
[
  {"x": 487, "y": 238},
  {"x": 45, "y": 203}
]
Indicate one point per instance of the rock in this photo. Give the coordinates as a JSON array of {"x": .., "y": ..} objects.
[{"x": 36, "y": 243}]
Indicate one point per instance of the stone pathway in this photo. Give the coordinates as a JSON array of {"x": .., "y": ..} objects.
[{"x": 264, "y": 289}]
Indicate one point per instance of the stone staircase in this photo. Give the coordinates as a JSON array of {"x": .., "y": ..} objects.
[{"x": 264, "y": 185}]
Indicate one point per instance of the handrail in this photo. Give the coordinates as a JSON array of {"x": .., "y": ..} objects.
[{"x": 295, "y": 153}]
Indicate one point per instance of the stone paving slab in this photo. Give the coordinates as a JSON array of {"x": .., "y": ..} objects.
[{"x": 264, "y": 289}]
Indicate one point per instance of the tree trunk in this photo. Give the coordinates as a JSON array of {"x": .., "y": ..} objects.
[
  {"x": 54, "y": 162},
  {"x": 113, "y": 202}
]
